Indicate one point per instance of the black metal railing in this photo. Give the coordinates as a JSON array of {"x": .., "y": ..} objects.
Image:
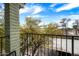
[
  {"x": 49, "y": 45},
  {"x": 44, "y": 45},
  {"x": 13, "y": 53}
]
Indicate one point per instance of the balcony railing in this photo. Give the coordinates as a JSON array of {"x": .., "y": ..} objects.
[
  {"x": 49, "y": 45},
  {"x": 45, "y": 45}
]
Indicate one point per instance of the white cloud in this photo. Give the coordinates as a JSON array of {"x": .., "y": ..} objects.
[
  {"x": 31, "y": 10},
  {"x": 68, "y": 7},
  {"x": 52, "y": 5},
  {"x": 25, "y": 10},
  {"x": 37, "y": 9},
  {"x": 39, "y": 16},
  {"x": 35, "y": 16}
]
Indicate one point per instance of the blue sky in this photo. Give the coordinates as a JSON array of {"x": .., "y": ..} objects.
[{"x": 50, "y": 12}]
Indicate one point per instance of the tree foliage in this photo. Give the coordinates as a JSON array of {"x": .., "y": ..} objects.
[
  {"x": 1, "y": 30},
  {"x": 53, "y": 29},
  {"x": 32, "y": 25}
]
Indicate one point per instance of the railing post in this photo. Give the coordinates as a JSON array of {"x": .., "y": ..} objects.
[{"x": 72, "y": 46}]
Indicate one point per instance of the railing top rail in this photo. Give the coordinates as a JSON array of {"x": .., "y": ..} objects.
[{"x": 53, "y": 34}]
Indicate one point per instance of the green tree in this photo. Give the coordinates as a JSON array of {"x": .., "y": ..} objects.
[
  {"x": 64, "y": 24},
  {"x": 32, "y": 26},
  {"x": 53, "y": 29}
]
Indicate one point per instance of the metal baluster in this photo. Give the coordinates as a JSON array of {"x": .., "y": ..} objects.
[
  {"x": 36, "y": 41},
  {"x": 56, "y": 45},
  {"x": 32, "y": 45},
  {"x": 23, "y": 46},
  {"x": 52, "y": 45},
  {"x": 44, "y": 45},
  {"x": 38, "y": 44},
  {"x": 27, "y": 43},
  {"x": 72, "y": 46},
  {"x": 48, "y": 44},
  {"x": 41, "y": 45},
  {"x": 61, "y": 45},
  {"x": 66, "y": 45}
]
